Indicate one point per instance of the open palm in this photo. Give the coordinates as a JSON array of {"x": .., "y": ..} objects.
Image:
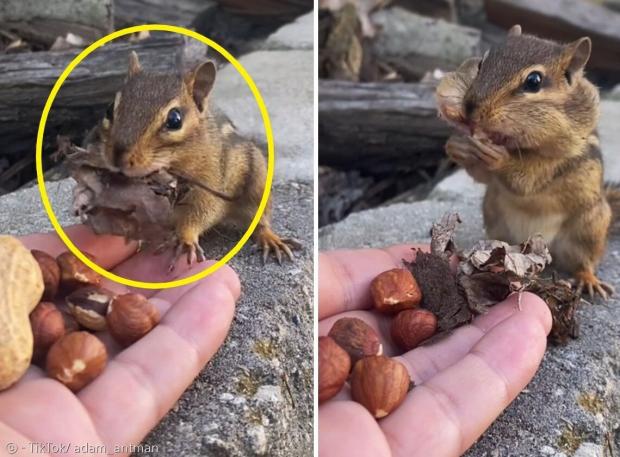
[
  {"x": 140, "y": 383},
  {"x": 462, "y": 382}
]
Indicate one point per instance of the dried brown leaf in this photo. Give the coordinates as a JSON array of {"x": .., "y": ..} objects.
[
  {"x": 112, "y": 203},
  {"x": 440, "y": 291},
  {"x": 486, "y": 275},
  {"x": 442, "y": 235}
]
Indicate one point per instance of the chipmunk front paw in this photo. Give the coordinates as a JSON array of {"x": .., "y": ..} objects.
[
  {"x": 190, "y": 248},
  {"x": 492, "y": 155},
  {"x": 461, "y": 151},
  {"x": 587, "y": 280},
  {"x": 268, "y": 241}
]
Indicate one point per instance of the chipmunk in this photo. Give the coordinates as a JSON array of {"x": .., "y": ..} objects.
[
  {"x": 531, "y": 118},
  {"x": 163, "y": 122}
]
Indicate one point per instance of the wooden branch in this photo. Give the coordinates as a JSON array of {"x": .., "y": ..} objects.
[
  {"x": 379, "y": 126},
  {"x": 27, "y": 79}
]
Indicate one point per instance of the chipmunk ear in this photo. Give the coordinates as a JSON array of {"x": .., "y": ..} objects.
[
  {"x": 134, "y": 65},
  {"x": 515, "y": 30},
  {"x": 201, "y": 82},
  {"x": 577, "y": 54}
]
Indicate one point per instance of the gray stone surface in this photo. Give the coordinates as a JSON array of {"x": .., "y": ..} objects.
[
  {"x": 286, "y": 81},
  {"x": 427, "y": 42},
  {"x": 610, "y": 138},
  {"x": 575, "y": 396},
  {"x": 255, "y": 397},
  {"x": 459, "y": 185},
  {"x": 296, "y": 35}
]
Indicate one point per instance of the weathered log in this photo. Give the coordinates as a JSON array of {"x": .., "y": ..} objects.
[
  {"x": 565, "y": 20},
  {"x": 379, "y": 126},
  {"x": 439, "y": 9},
  {"x": 42, "y": 22},
  {"x": 28, "y": 78},
  {"x": 178, "y": 12}
]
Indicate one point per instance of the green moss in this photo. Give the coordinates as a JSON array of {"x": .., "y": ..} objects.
[
  {"x": 255, "y": 417},
  {"x": 266, "y": 349},
  {"x": 248, "y": 385},
  {"x": 570, "y": 440},
  {"x": 591, "y": 402}
]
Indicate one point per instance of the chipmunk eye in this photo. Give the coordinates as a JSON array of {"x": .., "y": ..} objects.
[
  {"x": 174, "y": 120},
  {"x": 533, "y": 82}
]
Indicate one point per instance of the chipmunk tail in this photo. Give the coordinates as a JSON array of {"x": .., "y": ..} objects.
[{"x": 612, "y": 192}]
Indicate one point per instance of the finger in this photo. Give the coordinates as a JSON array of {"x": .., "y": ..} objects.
[
  {"x": 113, "y": 348},
  {"x": 25, "y": 405},
  {"x": 164, "y": 299},
  {"x": 149, "y": 267},
  {"x": 156, "y": 370},
  {"x": 345, "y": 275},
  {"x": 425, "y": 362},
  {"x": 346, "y": 429},
  {"x": 108, "y": 250},
  {"x": 461, "y": 401}
]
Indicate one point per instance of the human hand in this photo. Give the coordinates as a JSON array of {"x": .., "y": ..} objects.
[
  {"x": 140, "y": 383},
  {"x": 462, "y": 382}
]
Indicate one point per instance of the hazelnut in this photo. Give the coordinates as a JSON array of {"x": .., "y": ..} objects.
[
  {"x": 74, "y": 274},
  {"x": 71, "y": 325},
  {"x": 380, "y": 384},
  {"x": 48, "y": 325},
  {"x": 356, "y": 337},
  {"x": 412, "y": 326},
  {"x": 76, "y": 359},
  {"x": 130, "y": 317},
  {"x": 334, "y": 367},
  {"x": 395, "y": 290},
  {"x": 50, "y": 271},
  {"x": 89, "y": 306}
]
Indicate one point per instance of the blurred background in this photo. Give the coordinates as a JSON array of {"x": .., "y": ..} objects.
[
  {"x": 38, "y": 39},
  {"x": 380, "y": 141}
]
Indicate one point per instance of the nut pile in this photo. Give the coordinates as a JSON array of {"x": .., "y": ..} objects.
[
  {"x": 55, "y": 328},
  {"x": 352, "y": 350}
]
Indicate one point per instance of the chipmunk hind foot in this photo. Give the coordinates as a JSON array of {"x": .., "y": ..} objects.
[
  {"x": 586, "y": 280},
  {"x": 270, "y": 242}
]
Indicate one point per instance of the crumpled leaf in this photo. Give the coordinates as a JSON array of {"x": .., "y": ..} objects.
[
  {"x": 440, "y": 291},
  {"x": 562, "y": 301},
  {"x": 486, "y": 275},
  {"x": 112, "y": 203},
  {"x": 442, "y": 235},
  {"x": 363, "y": 7},
  {"x": 525, "y": 260},
  {"x": 492, "y": 269}
]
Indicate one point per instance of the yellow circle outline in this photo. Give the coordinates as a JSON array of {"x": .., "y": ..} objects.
[{"x": 270, "y": 156}]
